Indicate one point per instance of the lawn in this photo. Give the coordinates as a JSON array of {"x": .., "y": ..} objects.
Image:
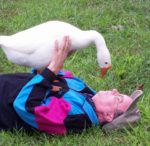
[{"x": 125, "y": 24}]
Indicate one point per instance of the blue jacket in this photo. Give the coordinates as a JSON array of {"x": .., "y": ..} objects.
[{"x": 54, "y": 104}]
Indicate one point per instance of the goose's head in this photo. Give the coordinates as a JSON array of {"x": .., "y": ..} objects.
[
  {"x": 103, "y": 55},
  {"x": 104, "y": 60}
]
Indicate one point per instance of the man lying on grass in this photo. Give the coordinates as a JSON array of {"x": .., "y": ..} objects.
[{"x": 54, "y": 101}]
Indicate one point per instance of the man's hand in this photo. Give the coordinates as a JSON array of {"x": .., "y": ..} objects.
[{"x": 60, "y": 54}]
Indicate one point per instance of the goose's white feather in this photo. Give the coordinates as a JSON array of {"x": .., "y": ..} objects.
[{"x": 34, "y": 47}]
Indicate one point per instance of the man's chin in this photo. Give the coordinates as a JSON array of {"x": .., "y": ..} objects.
[{"x": 103, "y": 123}]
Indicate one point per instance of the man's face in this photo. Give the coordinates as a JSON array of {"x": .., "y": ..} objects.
[{"x": 108, "y": 103}]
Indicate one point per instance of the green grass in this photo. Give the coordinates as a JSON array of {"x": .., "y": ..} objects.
[{"x": 129, "y": 47}]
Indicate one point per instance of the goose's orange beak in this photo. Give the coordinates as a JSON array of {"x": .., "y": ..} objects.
[{"x": 104, "y": 71}]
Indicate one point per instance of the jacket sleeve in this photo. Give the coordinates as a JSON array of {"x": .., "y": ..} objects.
[{"x": 30, "y": 106}]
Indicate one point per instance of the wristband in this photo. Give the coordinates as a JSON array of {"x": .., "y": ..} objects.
[{"x": 48, "y": 74}]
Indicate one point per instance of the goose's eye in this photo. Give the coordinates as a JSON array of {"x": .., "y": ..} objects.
[{"x": 106, "y": 62}]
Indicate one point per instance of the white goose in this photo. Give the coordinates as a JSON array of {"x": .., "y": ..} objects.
[{"x": 34, "y": 47}]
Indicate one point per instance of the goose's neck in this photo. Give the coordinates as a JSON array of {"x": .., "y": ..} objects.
[
  {"x": 96, "y": 38},
  {"x": 2, "y": 39}
]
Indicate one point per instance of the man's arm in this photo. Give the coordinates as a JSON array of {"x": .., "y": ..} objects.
[
  {"x": 29, "y": 102},
  {"x": 60, "y": 55}
]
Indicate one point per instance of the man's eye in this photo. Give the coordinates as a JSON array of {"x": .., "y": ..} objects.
[{"x": 120, "y": 96}]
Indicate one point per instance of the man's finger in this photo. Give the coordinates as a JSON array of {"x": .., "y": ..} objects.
[
  {"x": 56, "y": 46},
  {"x": 67, "y": 45},
  {"x": 64, "y": 42}
]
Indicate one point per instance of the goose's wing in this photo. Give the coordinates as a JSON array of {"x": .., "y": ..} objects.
[{"x": 30, "y": 40}]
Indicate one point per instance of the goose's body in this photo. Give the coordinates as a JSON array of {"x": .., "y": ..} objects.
[{"x": 34, "y": 47}]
